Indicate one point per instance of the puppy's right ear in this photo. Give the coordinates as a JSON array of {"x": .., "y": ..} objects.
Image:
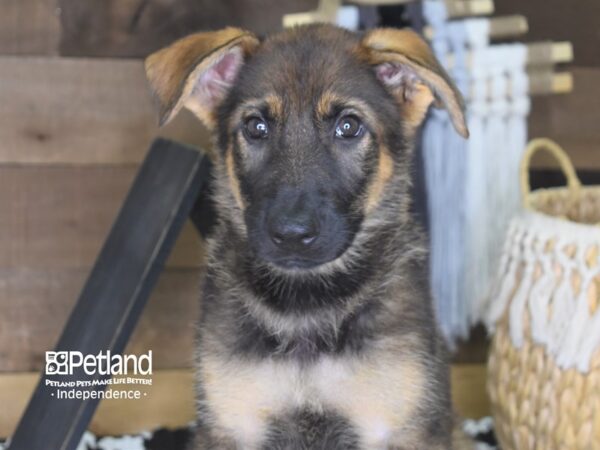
[{"x": 197, "y": 71}]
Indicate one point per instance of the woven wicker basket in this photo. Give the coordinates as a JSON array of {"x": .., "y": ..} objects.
[{"x": 544, "y": 365}]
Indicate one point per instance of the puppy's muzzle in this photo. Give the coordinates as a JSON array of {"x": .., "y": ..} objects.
[
  {"x": 292, "y": 231},
  {"x": 297, "y": 228}
]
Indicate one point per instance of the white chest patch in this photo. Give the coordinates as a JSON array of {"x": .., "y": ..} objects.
[{"x": 377, "y": 396}]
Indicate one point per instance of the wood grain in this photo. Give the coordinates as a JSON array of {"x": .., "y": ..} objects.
[
  {"x": 170, "y": 401},
  {"x": 134, "y": 28},
  {"x": 571, "y": 120},
  {"x": 29, "y": 27},
  {"x": 35, "y": 305},
  {"x": 558, "y": 20},
  {"x": 58, "y": 217},
  {"x": 469, "y": 395},
  {"x": 53, "y": 222},
  {"x": 81, "y": 111}
]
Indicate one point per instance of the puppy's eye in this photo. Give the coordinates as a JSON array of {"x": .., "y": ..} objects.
[
  {"x": 255, "y": 128},
  {"x": 349, "y": 127}
]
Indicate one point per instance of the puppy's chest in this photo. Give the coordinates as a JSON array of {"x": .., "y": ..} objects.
[{"x": 376, "y": 398}]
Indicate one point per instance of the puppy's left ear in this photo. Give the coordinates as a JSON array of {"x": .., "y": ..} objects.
[
  {"x": 405, "y": 64},
  {"x": 197, "y": 71}
]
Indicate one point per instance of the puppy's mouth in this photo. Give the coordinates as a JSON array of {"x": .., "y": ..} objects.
[
  {"x": 298, "y": 263},
  {"x": 301, "y": 261}
]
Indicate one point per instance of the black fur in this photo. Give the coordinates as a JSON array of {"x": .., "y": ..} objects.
[
  {"x": 308, "y": 430},
  {"x": 360, "y": 286}
]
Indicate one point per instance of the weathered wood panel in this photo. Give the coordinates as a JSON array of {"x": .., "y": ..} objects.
[
  {"x": 55, "y": 217},
  {"x": 560, "y": 20},
  {"x": 571, "y": 120},
  {"x": 127, "y": 28},
  {"x": 36, "y": 303},
  {"x": 170, "y": 401},
  {"x": 81, "y": 111},
  {"x": 29, "y": 27},
  {"x": 138, "y": 27},
  {"x": 469, "y": 395}
]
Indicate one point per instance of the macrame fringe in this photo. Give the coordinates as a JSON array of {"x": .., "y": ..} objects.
[
  {"x": 546, "y": 271},
  {"x": 472, "y": 186}
]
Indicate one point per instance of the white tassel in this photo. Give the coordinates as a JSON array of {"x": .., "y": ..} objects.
[
  {"x": 519, "y": 300},
  {"x": 472, "y": 186},
  {"x": 507, "y": 277},
  {"x": 561, "y": 319},
  {"x": 541, "y": 292}
]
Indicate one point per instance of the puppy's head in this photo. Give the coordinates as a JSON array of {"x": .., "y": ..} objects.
[{"x": 314, "y": 128}]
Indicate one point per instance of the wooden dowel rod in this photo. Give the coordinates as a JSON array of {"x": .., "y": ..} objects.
[
  {"x": 291, "y": 20},
  {"x": 380, "y": 2},
  {"x": 326, "y": 12},
  {"x": 500, "y": 27},
  {"x": 542, "y": 83},
  {"x": 508, "y": 26},
  {"x": 327, "y": 9},
  {"x": 548, "y": 53},
  {"x": 468, "y": 8}
]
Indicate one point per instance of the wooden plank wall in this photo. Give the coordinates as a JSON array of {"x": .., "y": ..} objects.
[
  {"x": 133, "y": 28},
  {"x": 572, "y": 119},
  {"x": 80, "y": 111},
  {"x": 76, "y": 120},
  {"x": 29, "y": 27},
  {"x": 73, "y": 132},
  {"x": 170, "y": 401}
]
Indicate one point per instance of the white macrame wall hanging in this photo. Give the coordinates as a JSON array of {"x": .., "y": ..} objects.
[{"x": 472, "y": 185}]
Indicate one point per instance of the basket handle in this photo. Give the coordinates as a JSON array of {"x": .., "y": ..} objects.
[{"x": 561, "y": 156}]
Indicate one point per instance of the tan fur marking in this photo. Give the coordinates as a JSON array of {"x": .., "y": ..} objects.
[
  {"x": 329, "y": 98},
  {"x": 275, "y": 105},
  {"x": 173, "y": 71},
  {"x": 385, "y": 170},
  {"x": 390, "y": 45},
  {"x": 241, "y": 397},
  {"x": 421, "y": 99},
  {"x": 234, "y": 183},
  {"x": 273, "y": 102},
  {"x": 378, "y": 396},
  {"x": 324, "y": 104}
]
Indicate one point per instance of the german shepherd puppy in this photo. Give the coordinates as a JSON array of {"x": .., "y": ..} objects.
[{"x": 317, "y": 330}]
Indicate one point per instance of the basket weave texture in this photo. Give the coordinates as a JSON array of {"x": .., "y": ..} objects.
[{"x": 544, "y": 365}]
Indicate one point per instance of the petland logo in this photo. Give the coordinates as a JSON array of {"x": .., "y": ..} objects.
[{"x": 104, "y": 363}]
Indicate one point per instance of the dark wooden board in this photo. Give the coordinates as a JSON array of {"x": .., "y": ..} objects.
[
  {"x": 57, "y": 217},
  {"x": 118, "y": 287},
  {"x": 36, "y": 302},
  {"x": 559, "y": 20},
  {"x": 571, "y": 120}
]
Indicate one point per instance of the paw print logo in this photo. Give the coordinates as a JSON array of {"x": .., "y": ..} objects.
[{"x": 57, "y": 363}]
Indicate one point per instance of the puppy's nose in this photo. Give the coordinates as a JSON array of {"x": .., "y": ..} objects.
[{"x": 293, "y": 232}]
